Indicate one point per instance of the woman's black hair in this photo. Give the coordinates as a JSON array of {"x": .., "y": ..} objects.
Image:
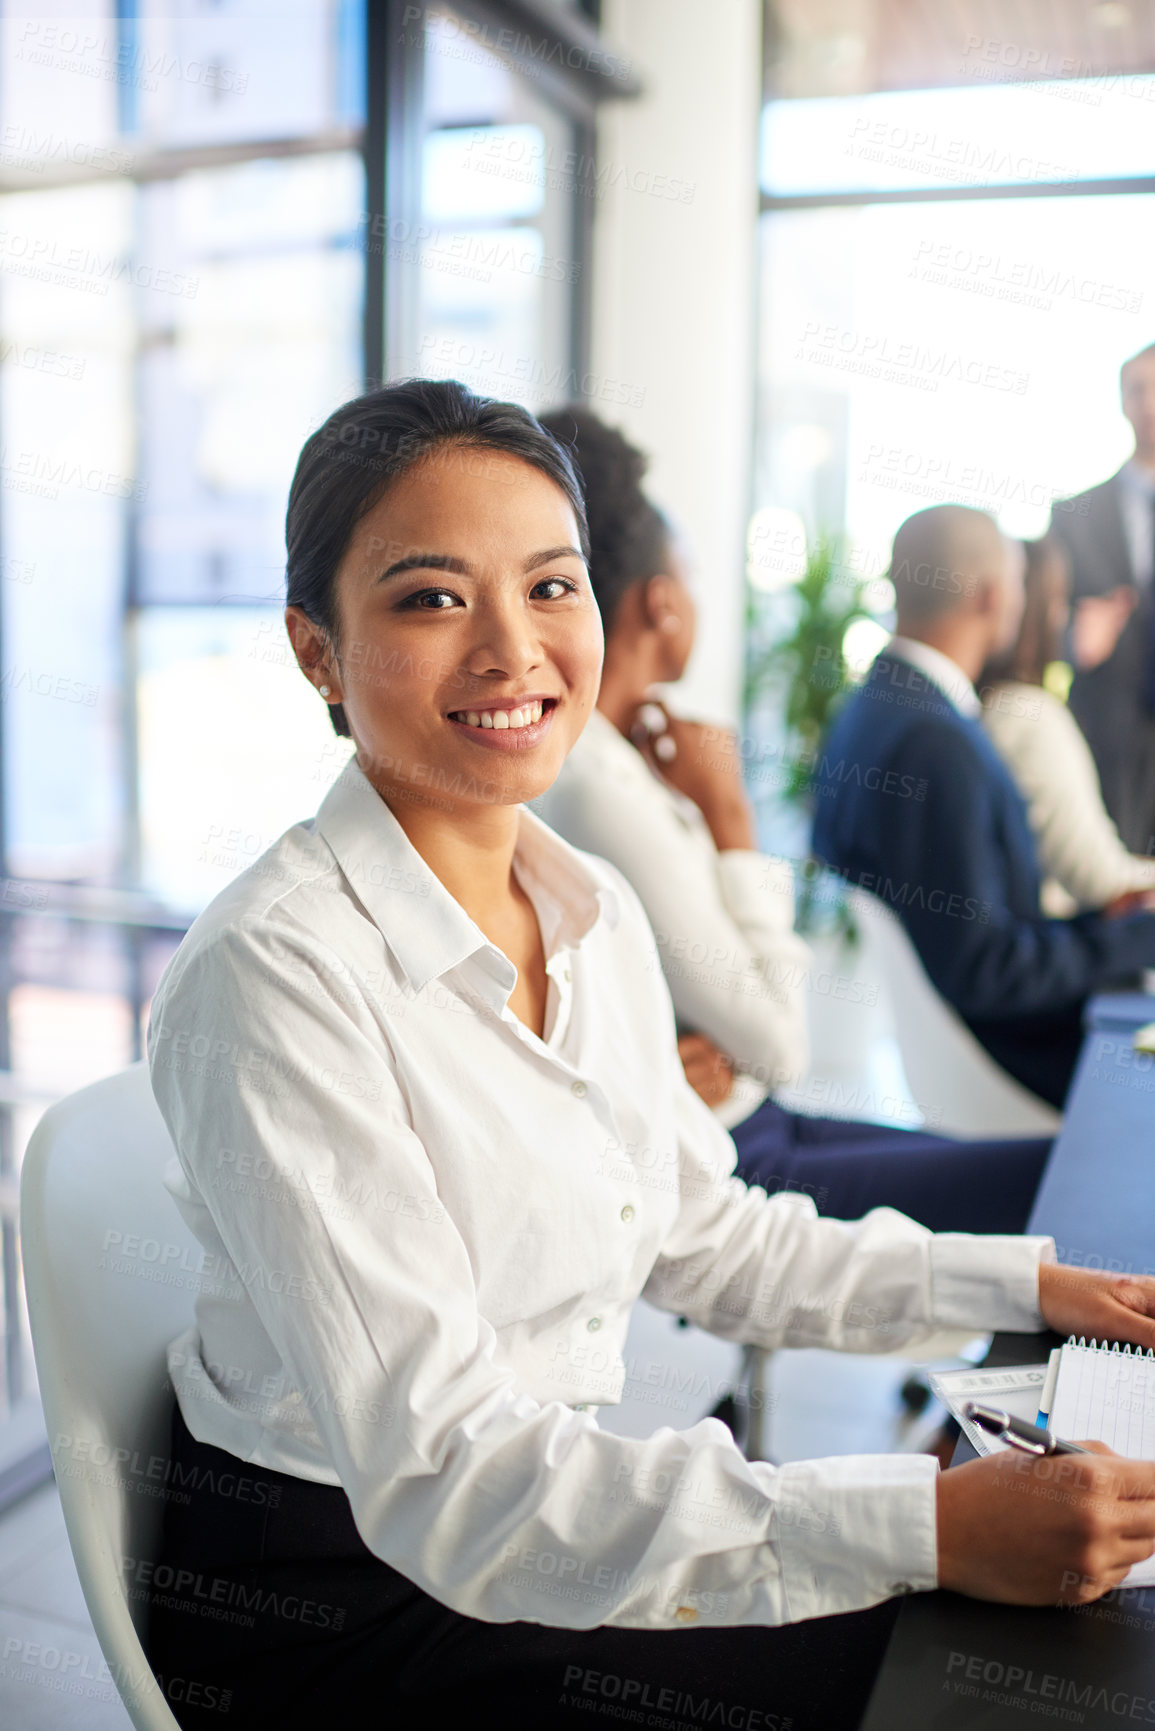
[
  {"x": 629, "y": 537},
  {"x": 365, "y": 445},
  {"x": 1040, "y": 640}
]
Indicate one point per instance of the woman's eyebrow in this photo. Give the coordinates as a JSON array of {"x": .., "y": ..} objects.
[
  {"x": 552, "y": 553},
  {"x": 427, "y": 562},
  {"x": 460, "y": 568}
]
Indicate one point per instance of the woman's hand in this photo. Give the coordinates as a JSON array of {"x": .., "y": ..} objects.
[
  {"x": 703, "y": 762},
  {"x": 1064, "y": 1529},
  {"x": 1098, "y": 1306},
  {"x": 1061, "y": 1530},
  {"x": 708, "y": 1070}
]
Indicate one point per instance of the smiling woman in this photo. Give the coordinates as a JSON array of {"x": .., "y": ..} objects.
[
  {"x": 439, "y": 1041},
  {"x": 462, "y": 695}
]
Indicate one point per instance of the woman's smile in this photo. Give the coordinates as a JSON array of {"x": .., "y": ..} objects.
[{"x": 516, "y": 725}]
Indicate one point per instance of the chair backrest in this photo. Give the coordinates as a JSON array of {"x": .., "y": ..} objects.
[
  {"x": 110, "y": 1274},
  {"x": 957, "y": 1084}
]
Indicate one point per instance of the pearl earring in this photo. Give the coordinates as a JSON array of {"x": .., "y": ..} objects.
[{"x": 324, "y": 690}]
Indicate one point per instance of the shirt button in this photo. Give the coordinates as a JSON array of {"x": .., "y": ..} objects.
[
  {"x": 628, "y": 1213},
  {"x": 686, "y": 1614},
  {"x": 594, "y": 1324},
  {"x": 582, "y": 1408},
  {"x": 578, "y": 1090},
  {"x": 565, "y": 975},
  {"x": 901, "y": 1587}
]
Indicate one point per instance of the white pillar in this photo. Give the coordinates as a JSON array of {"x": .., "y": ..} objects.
[{"x": 674, "y": 288}]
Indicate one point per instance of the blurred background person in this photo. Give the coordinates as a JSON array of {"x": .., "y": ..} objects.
[
  {"x": 1081, "y": 854},
  {"x": 662, "y": 798},
  {"x": 1109, "y": 536},
  {"x": 960, "y": 866}
]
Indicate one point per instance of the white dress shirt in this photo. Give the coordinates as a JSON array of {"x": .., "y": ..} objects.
[
  {"x": 724, "y": 921},
  {"x": 943, "y": 673},
  {"x": 1080, "y": 850},
  {"x": 424, "y": 1229},
  {"x": 1137, "y": 504}
]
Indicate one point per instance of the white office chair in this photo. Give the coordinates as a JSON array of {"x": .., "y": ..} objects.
[
  {"x": 92, "y": 1201},
  {"x": 957, "y": 1084}
]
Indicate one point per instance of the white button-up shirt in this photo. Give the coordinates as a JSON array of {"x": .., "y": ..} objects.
[
  {"x": 424, "y": 1229},
  {"x": 1137, "y": 504}
]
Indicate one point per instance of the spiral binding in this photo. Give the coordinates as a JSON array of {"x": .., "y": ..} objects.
[{"x": 1127, "y": 1351}]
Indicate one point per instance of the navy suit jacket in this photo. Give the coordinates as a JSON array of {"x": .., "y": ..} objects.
[{"x": 914, "y": 804}]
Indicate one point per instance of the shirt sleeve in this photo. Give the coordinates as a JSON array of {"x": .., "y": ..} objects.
[
  {"x": 498, "y": 1505},
  {"x": 724, "y": 923},
  {"x": 767, "y": 1269},
  {"x": 1044, "y": 748}
]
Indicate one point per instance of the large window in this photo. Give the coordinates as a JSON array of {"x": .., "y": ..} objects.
[
  {"x": 216, "y": 225},
  {"x": 501, "y": 248},
  {"x": 950, "y": 280}
]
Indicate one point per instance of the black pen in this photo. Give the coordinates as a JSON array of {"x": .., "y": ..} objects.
[{"x": 1031, "y": 1439}]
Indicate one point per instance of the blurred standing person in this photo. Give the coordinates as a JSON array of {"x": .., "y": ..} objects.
[{"x": 1108, "y": 533}]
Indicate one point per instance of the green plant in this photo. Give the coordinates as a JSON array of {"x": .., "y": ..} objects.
[{"x": 798, "y": 663}]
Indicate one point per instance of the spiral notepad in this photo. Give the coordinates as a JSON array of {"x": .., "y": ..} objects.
[{"x": 1106, "y": 1393}]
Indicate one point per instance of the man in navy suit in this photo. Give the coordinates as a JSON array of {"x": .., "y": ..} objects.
[
  {"x": 915, "y": 805},
  {"x": 1109, "y": 536}
]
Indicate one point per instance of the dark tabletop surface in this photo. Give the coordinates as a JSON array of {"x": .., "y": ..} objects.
[{"x": 956, "y": 1663}]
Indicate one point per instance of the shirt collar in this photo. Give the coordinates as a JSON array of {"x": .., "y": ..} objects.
[
  {"x": 944, "y": 674},
  {"x": 426, "y": 928}
]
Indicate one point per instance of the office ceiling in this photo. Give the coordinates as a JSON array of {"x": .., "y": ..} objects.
[{"x": 838, "y": 47}]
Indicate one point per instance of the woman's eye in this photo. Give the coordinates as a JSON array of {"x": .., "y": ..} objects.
[
  {"x": 556, "y": 583},
  {"x": 431, "y": 600}
]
